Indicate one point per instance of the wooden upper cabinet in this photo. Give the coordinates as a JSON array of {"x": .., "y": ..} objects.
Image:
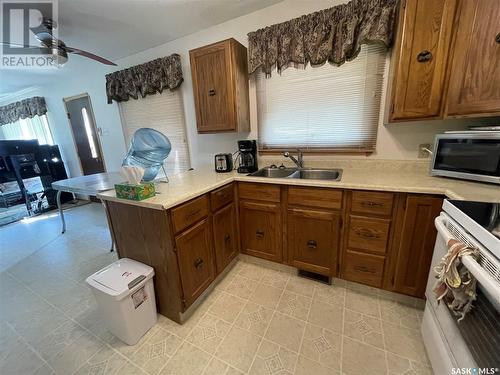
[
  {"x": 416, "y": 244},
  {"x": 419, "y": 59},
  {"x": 220, "y": 87},
  {"x": 474, "y": 88}
]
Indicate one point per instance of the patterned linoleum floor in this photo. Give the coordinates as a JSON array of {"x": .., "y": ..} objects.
[{"x": 257, "y": 320}]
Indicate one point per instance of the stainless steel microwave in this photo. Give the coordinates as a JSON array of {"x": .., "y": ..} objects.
[{"x": 473, "y": 155}]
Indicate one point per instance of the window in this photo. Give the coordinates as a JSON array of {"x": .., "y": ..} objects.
[
  {"x": 88, "y": 132},
  {"x": 36, "y": 127},
  {"x": 165, "y": 113},
  {"x": 323, "y": 108}
]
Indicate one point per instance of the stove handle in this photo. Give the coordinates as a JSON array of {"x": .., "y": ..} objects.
[{"x": 483, "y": 277}]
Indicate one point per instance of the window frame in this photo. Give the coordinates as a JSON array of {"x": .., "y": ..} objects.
[{"x": 307, "y": 149}]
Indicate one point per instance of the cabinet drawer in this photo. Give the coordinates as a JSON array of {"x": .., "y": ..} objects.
[
  {"x": 368, "y": 234},
  {"x": 372, "y": 203},
  {"x": 222, "y": 196},
  {"x": 315, "y": 197},
  {"x": 260, "y": 192},
  {"x": 363, "y": 268},
  {"x": 189, "y": 213}
]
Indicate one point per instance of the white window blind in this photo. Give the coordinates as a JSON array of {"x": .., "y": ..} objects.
[
  {"x": 36, "y": 127},
  {"x": 325, "y": 107},
  {"x": 165, "y": 113}
]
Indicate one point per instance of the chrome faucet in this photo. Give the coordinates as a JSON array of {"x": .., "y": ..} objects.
[{"x": 299, "y": 161}]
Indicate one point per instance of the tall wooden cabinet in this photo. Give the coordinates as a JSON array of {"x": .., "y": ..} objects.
[
  {"x": 445, "y": 60},
  {"x": 220, "y": 87}
]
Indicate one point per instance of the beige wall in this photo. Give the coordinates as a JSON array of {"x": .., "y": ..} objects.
[{"x": 395, "y": 141}]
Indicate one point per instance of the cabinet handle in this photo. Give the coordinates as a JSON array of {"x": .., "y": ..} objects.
[
  {"x": 366, "y": 233},
  {"x": 227, "y": 237},
  {"x": 259, "y": 233},
  {"x": 198, "y": 263},
  {"x": 497, "y": 38},
  {"x": 371, "y": 204},
  {"x": 364, "y": 269},
  {"x": 311, "y": 244},
  {"x": 424, "y": 56},
  {"x": 211, "y": 92}
]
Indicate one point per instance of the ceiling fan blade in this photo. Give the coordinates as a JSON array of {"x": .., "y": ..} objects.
[{"x": 89, "y": 55}]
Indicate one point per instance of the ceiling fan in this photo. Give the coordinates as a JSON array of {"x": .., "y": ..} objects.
[{"x": 58, "y": 49}]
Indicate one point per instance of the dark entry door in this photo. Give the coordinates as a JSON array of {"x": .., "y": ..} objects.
[{"x": 84, "y": 130}]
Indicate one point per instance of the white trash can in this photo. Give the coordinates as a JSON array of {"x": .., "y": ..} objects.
[{"x": 126, "y": 298}]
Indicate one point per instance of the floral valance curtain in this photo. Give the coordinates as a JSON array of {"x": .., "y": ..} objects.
[
  {"x": 26, "y": 108},
  {"x": 334, "y": 35},
  {"x": 145, "y": 79}
]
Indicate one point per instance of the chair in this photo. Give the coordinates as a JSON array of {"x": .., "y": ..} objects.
[{"x": 148, "y": 149}]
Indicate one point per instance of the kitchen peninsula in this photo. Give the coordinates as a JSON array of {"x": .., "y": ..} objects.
[{"x": 375, "y": 226}]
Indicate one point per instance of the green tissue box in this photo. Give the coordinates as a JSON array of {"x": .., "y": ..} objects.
[{"x": 135, "y": 192}]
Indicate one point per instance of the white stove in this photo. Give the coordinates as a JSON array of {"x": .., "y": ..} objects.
[{"x": 473, "y": 343}]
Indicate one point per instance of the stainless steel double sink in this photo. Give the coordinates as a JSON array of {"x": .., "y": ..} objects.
[{"x": 299, "y": 173}]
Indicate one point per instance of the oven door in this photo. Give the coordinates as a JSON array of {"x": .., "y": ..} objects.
[
  {"x": 474, "y": 341},
  {"x": 468, "y": 156}
]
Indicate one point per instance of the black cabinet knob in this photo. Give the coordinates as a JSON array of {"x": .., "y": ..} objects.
[
  {"x": 311, "y": 244},
  {"x": 198, "y": 263},
  {"x": 424, "y": 56}
]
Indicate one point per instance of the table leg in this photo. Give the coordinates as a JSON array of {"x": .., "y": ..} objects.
[
  {"x": 61, "y": 213},
  {"x": 109, "y": 227}
]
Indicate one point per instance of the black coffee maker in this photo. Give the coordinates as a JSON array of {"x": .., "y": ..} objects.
[{"x": 248, "y": 156}]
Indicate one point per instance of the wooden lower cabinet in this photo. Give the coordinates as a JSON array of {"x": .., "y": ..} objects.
[
  {"x": 261, "y": 230},
  {"x": 196, "y": 261},
  {"x": 415, "y": 244},
  {"x": 225, "y": 236},
  {"x": 313, "y": 240},
  {"x": 363, "y": 268},
  {"x": 388, "y": 239}
]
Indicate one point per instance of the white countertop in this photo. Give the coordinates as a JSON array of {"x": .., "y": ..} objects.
[{"x": 382, "y": 176}]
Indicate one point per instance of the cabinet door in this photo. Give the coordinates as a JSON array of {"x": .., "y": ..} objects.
[
  {"x": 420, "y": 57},
  {"x": 416, "y": 244},
  {"x": 314, "y": 240},
  {"x": 210, "y": 69},
  {"x": 474, "y": 87},
  {"x": 225, "y": 236},
  {"x": 260, "y": 230},
  {"x": 196, "y": 263}
]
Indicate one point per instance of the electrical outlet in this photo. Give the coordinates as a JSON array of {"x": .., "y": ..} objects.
[{"x": 424, "y": 150}]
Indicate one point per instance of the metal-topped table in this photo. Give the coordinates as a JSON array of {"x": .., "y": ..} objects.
[{"x": 86, "y": 185}]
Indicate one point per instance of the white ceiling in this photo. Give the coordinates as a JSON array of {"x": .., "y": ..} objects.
[{"x": 119, "y": 28}]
